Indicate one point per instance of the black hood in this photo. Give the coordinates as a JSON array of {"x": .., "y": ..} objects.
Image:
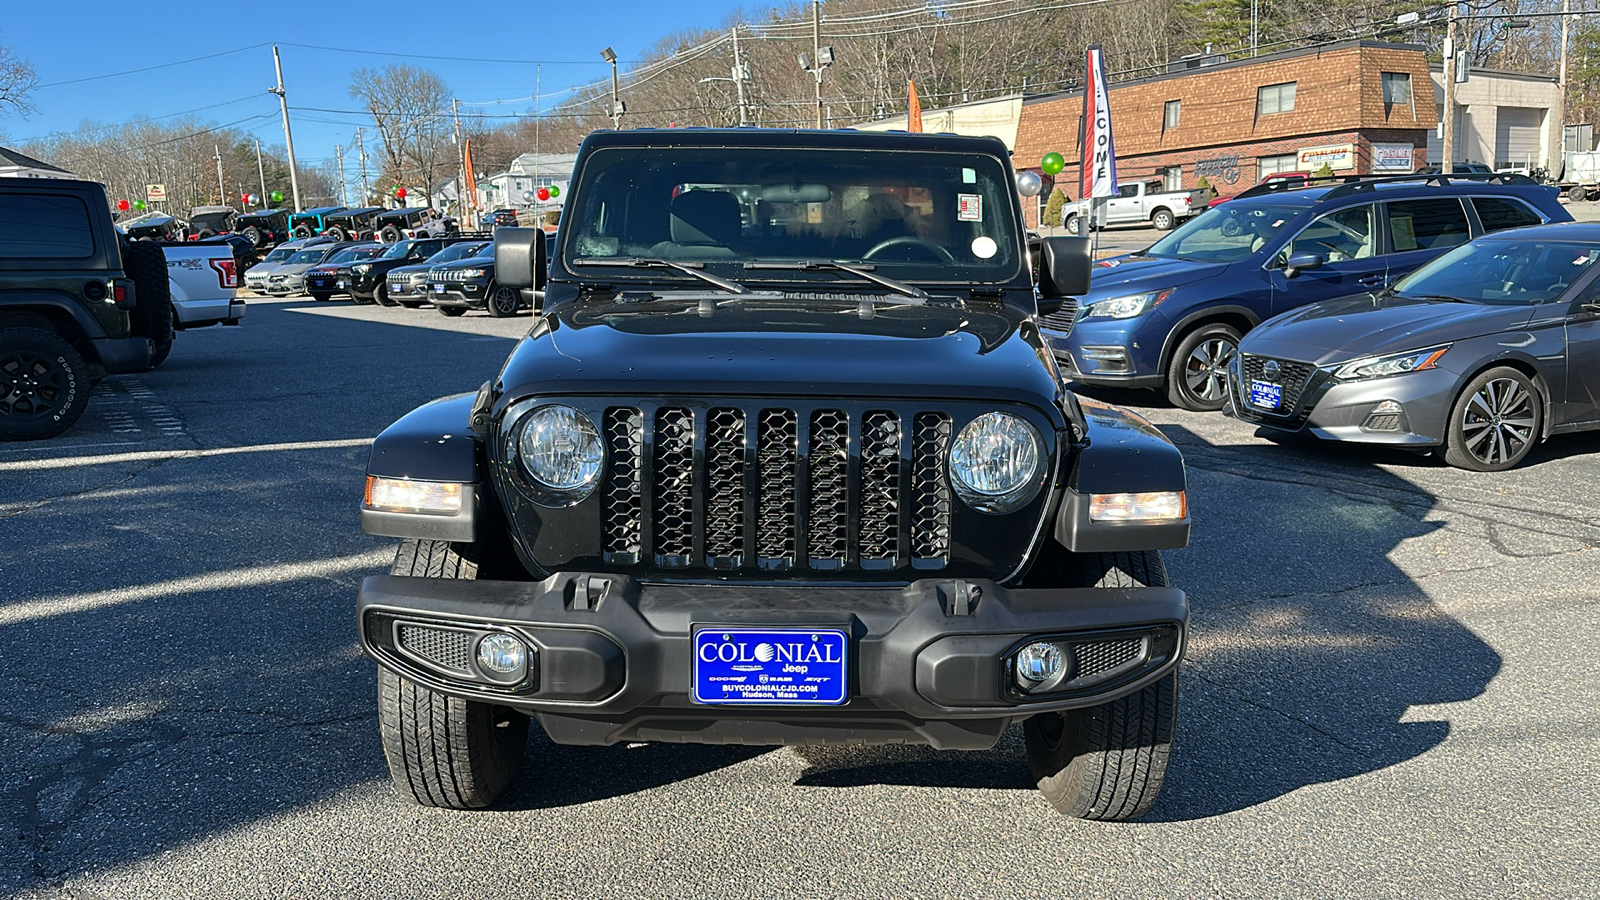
[
  {"x": 1337, "y": 331},
  {"x": 784, "y": 345}
]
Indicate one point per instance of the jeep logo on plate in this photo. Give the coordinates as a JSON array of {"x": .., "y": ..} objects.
[{"x": 1271, "y": 370}]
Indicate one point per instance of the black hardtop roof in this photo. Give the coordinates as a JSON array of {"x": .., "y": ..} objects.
[
  {"x": 794, "y": 138},
  {"x": 262, "y": 213},
  {"x": 405, "y": 210},
  {"x": 321, "y": 211},
  {"x": 355, "y": 211}
]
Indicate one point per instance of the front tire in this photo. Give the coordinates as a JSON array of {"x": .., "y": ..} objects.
[
  {"x": 1197, "y": 377},
  {"x": 44, "y": 384},
  {"x": 1074, "y": 225},
  {"x": 1577, "y": 194},
  {"x": 444, "y": 751},
  {"x": 322, "y": 298},
  {"x": 1495, "y": 423},
  {"x": 1108, "y": 762},
  {"x": 380, "y": 295},
  {"x": 451, "y": 311},
  {"x": 1163, "y": 220},
  {"x": 504, "y": 302}
]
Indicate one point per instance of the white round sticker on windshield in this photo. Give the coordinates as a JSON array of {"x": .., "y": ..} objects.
[{"x": 984, "y": 247}]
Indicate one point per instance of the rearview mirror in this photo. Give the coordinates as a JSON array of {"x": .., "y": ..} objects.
[
  {"x": 1064, "y": 267},
  {"x": 1302, "y": 260},
  {"x": 519, "y": 258}
]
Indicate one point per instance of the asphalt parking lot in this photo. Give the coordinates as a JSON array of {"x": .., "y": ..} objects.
[{"x": 1392, "y": 689}]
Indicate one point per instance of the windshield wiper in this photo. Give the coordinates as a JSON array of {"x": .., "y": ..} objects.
[
  {"x": 687, "y": 268},
  {"x": 1438, "y": 298},
  {"x": 863, "y": 272}
]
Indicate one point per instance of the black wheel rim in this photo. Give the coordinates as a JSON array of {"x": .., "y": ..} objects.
[
  {"x": 1497, "y": 424},
  {"x": 505, "y": 300},
  {"x": 1205, "y": 372},
  {"x": 31, "y": 386}
]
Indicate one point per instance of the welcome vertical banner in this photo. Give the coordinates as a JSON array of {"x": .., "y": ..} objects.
[{"x": 1097, "y": 169}]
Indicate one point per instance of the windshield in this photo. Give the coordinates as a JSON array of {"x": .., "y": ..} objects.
[
  {"x": 279, "y": 255},
  {"x": 396, "y": 250},
  {"x": 211, "y": 220},
  {"x": 456, "y": 251},
  {"x": 307, "y": 256},
  {"x": 352, "y": 253},
  {"x": 945, "y": 217},
  {"x": 1502, "y": 272},
  {"x": 1226, "y": 233}
]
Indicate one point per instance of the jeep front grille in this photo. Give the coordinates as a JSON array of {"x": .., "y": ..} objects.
[
  {"x": 1062, "y": 320},
  {"x": 730, "y": 487}
]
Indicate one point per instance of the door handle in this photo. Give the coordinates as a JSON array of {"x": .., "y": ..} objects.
[{"x": 1372, "y": 280}]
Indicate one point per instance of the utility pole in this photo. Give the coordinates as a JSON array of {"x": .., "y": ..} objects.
[
  {"x": 461, "y": 161},
  {"x": 1255, "y": 25},
  {"x": 261, "y": 170},
  {"x": 1557, "y": 164},
  {"x": 361, "y": 149},
  {"x": 738, "y": 79},
  {"x": 222, "y": 192},
  {"x": 816, "y": 53},
  {"x": 338, "y": 152},
  {"x": 1447, "y": 142},
  {"x": 538, "y": 107},
  {"x": 288, "y": 138}
]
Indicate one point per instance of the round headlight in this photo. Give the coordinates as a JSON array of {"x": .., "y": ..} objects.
[
  {"x": 995, "y": 462},
  {"x": 561, "y": 450}
]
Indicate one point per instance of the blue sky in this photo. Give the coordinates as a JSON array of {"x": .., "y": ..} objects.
[{"x": 78, "y": 40}]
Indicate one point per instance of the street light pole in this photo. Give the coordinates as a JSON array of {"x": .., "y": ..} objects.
[
  {"x": 222, "y": 192},
  {"x": 1447, "y": 145},
  {"x": 816, "y": 53},
  {"x": 288, "y": 138},
  {"x": 610, "y": 56},
  {"x": 738, "y": 77}
]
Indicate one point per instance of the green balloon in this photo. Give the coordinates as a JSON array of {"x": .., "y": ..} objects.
[
  {"x": 138, "y": 204},
  {"x": 1052, "y": 163},
  {"x": 555, "y": 191},
  {"x": 276, "y": 196}
]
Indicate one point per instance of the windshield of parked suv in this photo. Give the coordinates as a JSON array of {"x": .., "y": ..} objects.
[
  {"x": 307, "y": 256},
  {"x": 353, "y": 253},
  {"x": 279, "y": 254},
  {"x": 213, "y": 221},
  {"x": 911, "y": 215},
  {"x": 456, "y": 251},
  {"x": 1502, "y": 273},
  {"x": 396, "y": 250},
  {"x": 1226, "y": 233}
]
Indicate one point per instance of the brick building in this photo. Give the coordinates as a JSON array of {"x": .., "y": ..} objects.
[{"x": 1359, "y": 106}]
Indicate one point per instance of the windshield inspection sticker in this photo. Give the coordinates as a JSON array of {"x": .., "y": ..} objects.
[
  {"x": 984, "y": 247},
  {"x": 971, "y": 209}
]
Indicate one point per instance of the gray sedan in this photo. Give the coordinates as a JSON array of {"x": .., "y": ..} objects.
[{"x": 1478, "y": 355}]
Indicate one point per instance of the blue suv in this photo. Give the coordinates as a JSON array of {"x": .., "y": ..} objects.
[{"x": 1170, "y": 316}]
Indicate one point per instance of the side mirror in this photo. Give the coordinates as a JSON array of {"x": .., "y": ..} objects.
[
  {"x": 519, "y": 259},
  {"x": 1064, "y": 267},
  {"x": 1302, "y": 260}
]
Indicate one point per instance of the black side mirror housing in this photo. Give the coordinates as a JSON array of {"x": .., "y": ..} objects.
[
  {"x": 519, "y": 259},
  {"x": 1300, "y": 261},
  {"x": 1065, "y": 264}
]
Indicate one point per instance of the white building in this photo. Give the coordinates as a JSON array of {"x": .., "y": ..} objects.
[
  {"x": 18, "y": 165},
  {"x": 1505, "y": 119},
  {"x": 997, "y": 117},
  {"x": 528, "y": 172}
]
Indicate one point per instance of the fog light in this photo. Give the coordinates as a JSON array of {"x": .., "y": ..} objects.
[
  {"x": 401, "y": 495},
  {"x": 1037, "y": 663},
  {"x": 1142, "y": 507},
  {"x": 502, "y": 654}
]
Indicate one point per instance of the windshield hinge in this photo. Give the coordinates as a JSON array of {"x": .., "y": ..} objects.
[{"x": 988, "y": 295}]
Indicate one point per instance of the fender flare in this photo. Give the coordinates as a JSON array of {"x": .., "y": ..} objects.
[
  {"x": 1183, "y": 325},
  {"x": 434, "y": 442},
  {"x": 1120, "y": 452},
  {"x": 53, "y": 307}
]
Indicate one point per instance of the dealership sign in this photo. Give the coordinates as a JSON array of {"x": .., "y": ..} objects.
[
  {"x": 1392, "y": 157},
  {"x": 1339, "y": 156}
]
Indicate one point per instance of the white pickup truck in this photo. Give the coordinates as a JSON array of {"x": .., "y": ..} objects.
[
  {"x": 1137, "y": 202},
  {"x": 205, "y": 284}
]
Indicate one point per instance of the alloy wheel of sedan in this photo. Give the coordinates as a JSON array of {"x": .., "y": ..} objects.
[
  {"x": 1199, "y": 380},
  {"x": 1495, "y": 422},
  {"x": 504, "y": 302}
]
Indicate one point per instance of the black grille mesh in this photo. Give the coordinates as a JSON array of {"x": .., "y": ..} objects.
[
  {"x": 827, "y": 532},
  {"x": 1292, "y": 375},
  {"x": 624, "y": 526},
  {"x": 930, "y": 523},
  {"x": 1103, "y": 657},
  {"x": 674, "y": 487},
  {"x": 880, "y": 486},
  {"x": 1062, "y": 319},
  {"x": 446, "y": 648},
  {"x": 725, "y": 445},
  {"x": 778, "y": 443}
]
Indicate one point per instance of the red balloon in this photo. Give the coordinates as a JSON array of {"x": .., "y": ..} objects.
[
  {"x": 122, "y": 205},
  {"x": 399, "y": 193},
  {"x": 245, "y": 199},
  {"x": 543, "y": 194}
]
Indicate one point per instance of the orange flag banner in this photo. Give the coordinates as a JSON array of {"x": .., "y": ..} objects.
[
  {"x": 914, "y": 117},
  {"x": 469, "y": 182}
]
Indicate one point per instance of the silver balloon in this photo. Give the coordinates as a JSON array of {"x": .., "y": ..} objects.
[
  {"x": 529, "y": 196},
  {"x": 1029, "y": 184}
]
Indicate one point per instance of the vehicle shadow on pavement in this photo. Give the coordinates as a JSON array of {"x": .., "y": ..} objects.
[
  {"x": 555, "y": 775},
  {"x": 1309, "y": 645}
]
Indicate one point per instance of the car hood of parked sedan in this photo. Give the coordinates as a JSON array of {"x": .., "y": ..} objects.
[
  {"x": 296, "y": 269},
  {"x": 1336, "y": 331},
  {"x": 1133, "y": 274},
  {"x": 399, "y": 273},
  {"x": 836, "y": 345}
]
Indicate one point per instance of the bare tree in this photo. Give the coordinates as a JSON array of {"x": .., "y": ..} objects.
[
  {"x": 411, "y": 108},
  {"x": 17, "y": 81}
]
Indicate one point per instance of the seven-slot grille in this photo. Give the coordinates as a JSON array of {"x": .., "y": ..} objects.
[
  {"x": 775, "y": 488},
  {"x": 1292, "y": 375},
  {"x": 1063, "y": 319}
]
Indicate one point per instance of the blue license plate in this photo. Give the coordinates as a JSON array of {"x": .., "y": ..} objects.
[
  {"x": 1266, "y": 395},
  {"x": 438, "y": 289},
  {"x": 768, "y": 667}
]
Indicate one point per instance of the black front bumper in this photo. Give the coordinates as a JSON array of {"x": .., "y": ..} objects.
[
  {"x": 325, "y": 284},
  {"x": 472, "y": 295},
  {"x": 929, "y": 661}
]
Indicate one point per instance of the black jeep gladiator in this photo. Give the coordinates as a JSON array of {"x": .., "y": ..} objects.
[
  {"x": 782, "y": 460},
  {"x": 78, "y": 301}
]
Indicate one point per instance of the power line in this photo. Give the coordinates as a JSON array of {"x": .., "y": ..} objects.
[
  {"x": 474, "y": 59},
  {"x": 98, "y": 128},
  {"x": 166, "y": 65}
]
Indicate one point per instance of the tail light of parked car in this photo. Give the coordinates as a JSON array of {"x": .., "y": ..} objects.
[{"x": 227, "y": 273}]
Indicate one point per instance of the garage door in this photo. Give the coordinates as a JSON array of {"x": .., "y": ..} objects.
[{"x": 1517, "y": 136}]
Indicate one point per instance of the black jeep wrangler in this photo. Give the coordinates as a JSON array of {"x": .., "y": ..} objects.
[
  {"x": 78, "y": 302},
  {"x": 782, "y": 460}
]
